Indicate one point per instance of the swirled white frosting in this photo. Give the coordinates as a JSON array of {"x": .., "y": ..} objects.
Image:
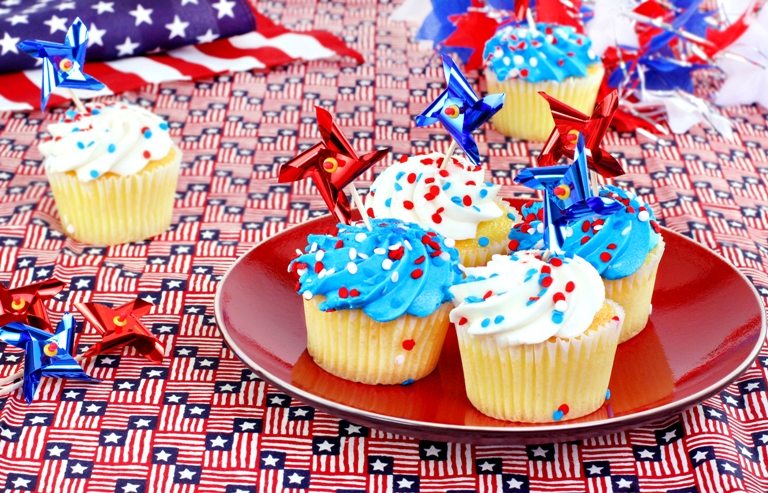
[
  {"x": 522, "y": 299},
  {"x": 117, "y": 138},
  {"x": 452, "y": 201}
]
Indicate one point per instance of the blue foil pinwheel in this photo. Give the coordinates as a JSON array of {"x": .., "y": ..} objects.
[
  {"x": 46, "y": 354},
  {"x": 63, "y": 62},
  {"x": 460, "y": 110}
]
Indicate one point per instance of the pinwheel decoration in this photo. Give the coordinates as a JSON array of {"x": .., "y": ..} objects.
[
  {"x": 460, "y": 110},
  {"x": 120, "y": 327},
  {"x": 333, "y": 165},
  {"x": 569, "y": 122},
  {"x": 25, "y": 304},
  {"x": 63, "y": 62},
  {"x": 550, "y": 181},
  {"x": 46, "y": 354}
]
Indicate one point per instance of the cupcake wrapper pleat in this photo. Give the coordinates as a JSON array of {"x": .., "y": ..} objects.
[
  {"x": 351, "y": 345},
  {"x": 531, "y": 382}
]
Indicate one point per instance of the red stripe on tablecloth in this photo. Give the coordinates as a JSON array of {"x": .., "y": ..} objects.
[{"x": 18, "y": 88}]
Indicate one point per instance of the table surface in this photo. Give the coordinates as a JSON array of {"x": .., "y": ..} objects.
[{"x": 201, "y": 421}]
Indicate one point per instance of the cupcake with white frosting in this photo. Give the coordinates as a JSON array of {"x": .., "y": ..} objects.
[
  {"x": 453, "y": 199},
  {"x": 113, "y": 173},
  {"x": 537, "y": 337}
]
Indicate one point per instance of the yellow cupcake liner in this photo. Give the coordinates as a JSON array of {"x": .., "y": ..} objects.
[
  {"x": 532, "y": 382},
  {"x": 351, "y": 345},
  {"x": 526, "y": 115},
  {"x": 496, "y": 231},
  {"x": 634, "y": 293},
  {"x": 118, "y": 209}
]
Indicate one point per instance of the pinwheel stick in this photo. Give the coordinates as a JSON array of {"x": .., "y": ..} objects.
[
  {"x": 15, "y": 379},
  {"x": 448, "y": 154},
  {"x": 78, "y": 103},
  {"x": 359, "y": 204}
]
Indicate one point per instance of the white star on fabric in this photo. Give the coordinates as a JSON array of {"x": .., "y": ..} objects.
[
  {"x": 700, "y": 455},
  {"x": 196, "y": 410},
  {"x": 127, "y": 48},
  {"x": 514, "y": 483},
  {"x": 404, "y": 483},
  {"x": 182, "y": 249},
  {"x": 55, "y": 451},
  {"x": 173, "y": 398},
  {"x": 78, "y": 468},
  {"x": 206, "y": 362},
  {"x": 219, "y": 441},
  {"x": 595, "y": 469},
  {"x": 193, "y": 310},
  {"x": 141, "y": 423},
  {"x": 714, "y": 413},
  {"x": 174, "y": 284},
  {"x": 163, "y": 456},
  {"x": 131, "y": 488},
  {"x": 93, "y": 408},
  {"x": 300, "y": 412},
  {"x": 276, "y": 400},
  {"x": 36, "y": 420},
  {"x": 669, "y": 435},
  {"x": 71, "y": 394},
  {"x": 177, "y": 28},
  {"x": 155, "y": 373},
  {"x": 486, "y": 466},
  {"x": 207, "y": 38},
  {"x": 7, "y": 433},
  {"x": 247, "y": 425},
  {"x": 102, "y": 7},
  {"x": 66, "y": 6},
  {"x": 539, "y": 452},
  {"x": 96, "y": 35},
  {"x": 8, "y": 45},
  {"x": 432, "y": 451},
  {"x": 270, "y": 461},
  {"x": 164, "y": 328},
  {"x": 354, "y": 429},
  {"x": 728, "y": 467},
  {"x": 379, "y": 465},
  {"x": 125, "y": 386},
  {"x": 227, "y": 387},
  {"x": 18, "y": 19},
  {"x": 325, "y": 446},
  {"x": 82, "y": 283},
  {"x": 224, "y": 9},
  {"x": 752, "y": 386},
  {"x": 200, "y": 270},
  {"x": 56, "y": 23},
  {"x": 295, "y": 478},
  {"x": 184, "y": 2},
  {"x": 107, "y": 360},
  {"x": 142, "y": 15},
  {"x": 149, "y": 298},
  {"x": 745, "y": 451},
  {"x": 12, "y": 357},
  {"x": 187, "y": 474},
  {"x": 731, "y": 400},
  {"x": 21, "y": 483},
  {"x": 624, "y": 483},
  {"x": 646, "y": 454},
  {"x": 183, "y": 351},
  {"x": 112, "y": 438}
]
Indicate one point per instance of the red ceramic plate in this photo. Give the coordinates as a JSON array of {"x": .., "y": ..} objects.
[{"x": 707, "y": 326}]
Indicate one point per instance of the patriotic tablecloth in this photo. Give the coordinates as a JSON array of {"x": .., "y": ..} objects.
[{"x": 201, "y": 421}]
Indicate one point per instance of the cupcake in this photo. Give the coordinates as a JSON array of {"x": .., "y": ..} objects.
[
  {"x": 456, "y": 202},
  {"x": 537, "y": 337},
  {"x": 520, "y": 61},
  {"x": 113, "y": 173},
  {"x": 375, "y": 301},
  {"x": 625, "y": 247}
]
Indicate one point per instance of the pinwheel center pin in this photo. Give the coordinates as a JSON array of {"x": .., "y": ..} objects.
[
  {"x": 66, "y": 65},
  {"x": 452, "y": 111},
  {"x": 18, "y": 304},
  {"x": 120, "y": 321},
  {"x": 562, "y": 192},
  {"x": 330, "y": 164},
  {"x": 51, "y": 349},
  {"x": 572, "y": 136}
]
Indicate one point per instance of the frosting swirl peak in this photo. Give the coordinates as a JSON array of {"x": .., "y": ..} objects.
[
  {"x": 523, "y": 299},
  {"x": 116, "y": 138},
  {"x": 397, "y": 268}
]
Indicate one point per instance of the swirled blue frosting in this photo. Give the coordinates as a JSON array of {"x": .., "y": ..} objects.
[
  {"x": 550, "y": 52},
  {"x": 616, "y": 244},
  {"x": 397, "y": 268}
]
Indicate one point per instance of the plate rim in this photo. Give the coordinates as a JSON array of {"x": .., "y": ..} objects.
[{"x": 566, "y": 427}]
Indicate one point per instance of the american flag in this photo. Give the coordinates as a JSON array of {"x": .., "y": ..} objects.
[{"x": 133, "y": 43}]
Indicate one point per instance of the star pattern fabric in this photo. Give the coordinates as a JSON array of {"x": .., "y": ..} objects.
[{"x": 120, "y": 28}]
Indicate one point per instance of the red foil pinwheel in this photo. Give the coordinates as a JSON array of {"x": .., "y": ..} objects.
[
  {"x": 121, "y": 326},
  {"x": 332, "y": 164},
  {"x": 569, "y": 122},
  {"x": 26, "y": 304}
]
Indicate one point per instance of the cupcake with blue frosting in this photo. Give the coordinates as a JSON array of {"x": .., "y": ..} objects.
[
  {"x": 624, "y": 246},
  {"x": 376, "y": 302},
  {"x": 522, "y": 60}
]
